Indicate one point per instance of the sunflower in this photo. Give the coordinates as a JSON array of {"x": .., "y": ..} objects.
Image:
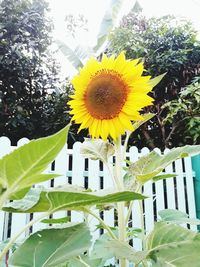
[{"x": 109, "y": 95}]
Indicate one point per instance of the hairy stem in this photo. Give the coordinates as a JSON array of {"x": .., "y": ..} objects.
[
  {"x": 128, "y": 134},
  {"x": 142, "y": 225},
  {"x": 116, "y": 185},
  {"x": 131, "y": 205},
  {"x": 102, "y": 222}
]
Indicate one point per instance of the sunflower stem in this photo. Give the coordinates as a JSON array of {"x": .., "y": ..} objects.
[
  {"x": 142, "y": 225},
  {"x": 138, "y": 189},
  {"x": 111, "y": 174},
  {"x": 128, "y": 134},
  {"x": 121, "y": 205}
]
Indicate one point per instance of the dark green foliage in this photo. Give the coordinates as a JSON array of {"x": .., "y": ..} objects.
[
  {"x": 28, "y": 73},
  {"x": 184, "y": 113},
  {"x": 166, "y": 45}
]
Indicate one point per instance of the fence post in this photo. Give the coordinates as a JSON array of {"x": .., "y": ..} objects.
[{"x": 196, "y": 169}]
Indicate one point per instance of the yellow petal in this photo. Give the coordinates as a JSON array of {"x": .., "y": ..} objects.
[{"x": 125, "y": 121}]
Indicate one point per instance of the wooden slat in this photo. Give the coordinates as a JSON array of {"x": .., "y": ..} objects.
[
  {"x": 94, "y": 184},
  {"x": 46, "y": 184},
  {"x": 170, "y": 187},
  {"x": 77, "y": 176},
  {"x": 190, "y": 190},
  {"x": 136, "y": 219},
  {"x": 108, "y": 183},
  {"x": 160, "y": 203},
  {"x": 61, "y": 167},
  {"x": 180, "y": 185},
  {"x": 148, "y": 203}
]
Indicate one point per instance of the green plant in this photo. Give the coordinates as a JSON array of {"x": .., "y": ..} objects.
[
  {"x": 67, "y": 248},
  {"x": 70, "y": 244},
  {"x": 183, "y": 114},
  {"x": 28, "y": 73},
  {"x": 166, "y": 44}
]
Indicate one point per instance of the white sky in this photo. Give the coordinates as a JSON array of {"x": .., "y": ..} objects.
[{"x": 94, "y": 10}]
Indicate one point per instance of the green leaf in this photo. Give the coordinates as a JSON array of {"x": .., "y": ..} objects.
[
  {"x": 153, "y": 82},
  {"x": 125, "y": 251},
  {"x": 166, "y": 233},
  {"x": 28, "y": 201},
  {"x": 97, "y": 149},
  {"x": 176, "y": 216},
  {"x": 24, "y": 166},
  {"x": 150, "y": 165},
  {"x": 57, "y": 220},
  {"x": 74, "y": 56},
  {"x": 107, "y": 248},
  {"x": 108, "y": 22},
  {"x": 51, "y": 247},
  {"x": 100, "y": 250},
  {"x": 146, "y": 117},
  {"x": 62, "y": 199},
  {"x": 163, "y": 176},
  {"x": 174, "y": 245},
  {"x": 134, "y": 232},
  {"x": 42, "y": 178},
  {"x": 180, "y": 255}
]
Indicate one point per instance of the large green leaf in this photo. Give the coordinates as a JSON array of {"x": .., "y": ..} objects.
[
  {"x": 125, "y": 251},
  {"x": 177, "y": 216},
  {"x": 108, "y": 22},
  {"x": 97, "y": 149},
  {"x": 24, "y": 166},
  {"x": 107, "y": 248},
  {"x": 62, "y": 199},
  {"x": 174, "y": 245},
  {"x": 51, "y": 247},
  {"x": 166, "y": 233},
  {"x": 100, "y": 250},
  {"x": 75, "y": 56},
  {"x": 150, "y": 165}
]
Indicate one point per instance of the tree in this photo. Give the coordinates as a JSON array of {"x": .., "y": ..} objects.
[
  {"x": 28, "y": 72},
  {"x": 166, "y": 45}
]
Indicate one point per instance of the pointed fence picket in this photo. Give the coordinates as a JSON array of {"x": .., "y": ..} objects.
[
  {"x": 177, "y": 192},
  {"x": 78, "y": 175},
  {"x": 159, "y": 190}
]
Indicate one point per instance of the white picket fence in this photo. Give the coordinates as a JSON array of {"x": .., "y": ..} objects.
[{"x": 174, "y": 193}]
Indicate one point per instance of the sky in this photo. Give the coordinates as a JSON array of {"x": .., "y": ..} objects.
[{"x": 94, "y": 10}]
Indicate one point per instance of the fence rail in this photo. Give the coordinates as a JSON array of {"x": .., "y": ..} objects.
[{"x": 174, "y": 193}]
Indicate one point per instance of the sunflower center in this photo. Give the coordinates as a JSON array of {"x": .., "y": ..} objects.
[{"x": 105, "y": 95}]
